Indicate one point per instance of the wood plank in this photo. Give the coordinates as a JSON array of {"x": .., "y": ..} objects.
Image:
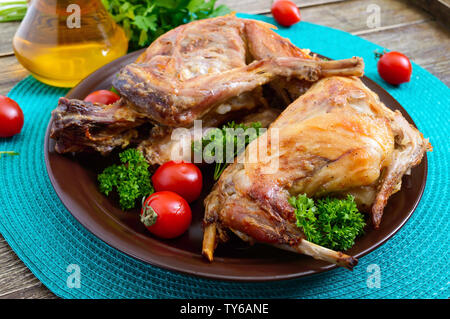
[
  {"x": 7, "y": 31},
  {"x": 388, "y": 27},
  {"x": 38, "y": 292},
  {"x": 441, "y": 69},
  {"x": 16, "y": 280},
  {"x": 440, "y": 9},
  {"x": 263, "y": 6},
  {"x": 11, "y": 72}
]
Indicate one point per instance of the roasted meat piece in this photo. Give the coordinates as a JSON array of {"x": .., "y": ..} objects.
[
  {"x": 80, "y": 126},
  {"x": 337, "y": 138}
]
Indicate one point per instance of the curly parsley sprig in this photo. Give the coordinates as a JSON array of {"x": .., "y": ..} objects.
[
  {"x": 214, "y": 145},
  {"x": 131, "y": 179},
  {"x": 329, "y": 222},
  {"x": 145, "y": 20}
]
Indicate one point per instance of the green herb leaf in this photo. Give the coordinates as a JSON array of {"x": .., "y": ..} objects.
[
  {"x": 145, "y": 20},
  {"x": 12, "y": 10},
  {"x": 131, "y": 179},
  {"x": 214, "y": 145},
  {"x": 330, "y": 222}
]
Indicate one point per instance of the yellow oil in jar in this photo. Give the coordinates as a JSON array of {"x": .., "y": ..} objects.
[{"x": 60, "y": 52}]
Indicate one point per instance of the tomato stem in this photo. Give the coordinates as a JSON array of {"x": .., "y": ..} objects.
[
  {"x": 378, "y": 55},
  {"x": 148, "y": 216}
]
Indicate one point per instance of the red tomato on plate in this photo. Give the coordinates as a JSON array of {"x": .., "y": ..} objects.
[
  {"x": 285, "y": 12},
  {"x": 166, "y": 214},
  {"x": 394, "y": 67},
  {"x": 11, "y": 117},
  {"x": 103, "y": 97},
  {"x": 182, "y": 178}
]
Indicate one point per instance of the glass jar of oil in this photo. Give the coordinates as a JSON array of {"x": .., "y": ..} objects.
[{"x": 62, "y": 41}]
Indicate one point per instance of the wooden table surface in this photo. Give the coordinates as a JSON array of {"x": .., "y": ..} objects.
[{"x": 404, "y": 28}]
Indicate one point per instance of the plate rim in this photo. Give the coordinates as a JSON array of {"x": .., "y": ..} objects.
[{"x": 210, "y": 275}]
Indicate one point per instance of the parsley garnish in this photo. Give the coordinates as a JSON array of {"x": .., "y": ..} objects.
[
  {"x": 131, "y": 179},
  {"x": 145, "y": 20},
  {"x": 329, "y": 222},
  {"x": 214, "y": 145},
  {"x": 12, "y": 10}
]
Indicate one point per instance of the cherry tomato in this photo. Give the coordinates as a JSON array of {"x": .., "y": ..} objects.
[
  {"x": 285, "y": 12},
  {"x": 102, "y": 96},
  {"x": 11, "y": 117},
  {"x": 182, "y": 178},
  {"x": 166, "y": 214},
  {"x": 394, "y": 67}
]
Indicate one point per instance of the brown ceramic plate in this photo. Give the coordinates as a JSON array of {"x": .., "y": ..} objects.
[{"x": 74, "y": 180}]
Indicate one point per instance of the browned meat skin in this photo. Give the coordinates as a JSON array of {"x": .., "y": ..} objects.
[
  {"x": 196, "y": 67},
  {"x": 195, "y": 98},
  {"x": 337, "y": 138},
  {"x": 83, "y": 126},
  {"x": 269, "y": 46},
  {"x": 409, "y": 151}
]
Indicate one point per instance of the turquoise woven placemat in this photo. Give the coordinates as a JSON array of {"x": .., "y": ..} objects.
[{"x": 413, "y": 264}]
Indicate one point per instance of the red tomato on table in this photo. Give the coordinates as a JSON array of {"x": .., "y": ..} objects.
[
  {"x": 166, "y": 214},
  {"x": 394, "y": 67},
  {"x": 11, "y": 117},
  {"x": 103, "y": 97},
  {"x": 182, "y": 178},
  {"x": 285, "y": 12}
]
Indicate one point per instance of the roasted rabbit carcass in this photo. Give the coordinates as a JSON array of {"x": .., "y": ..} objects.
[
  {"x": 337, "y": 138},
  {"x": 207, "y": 69}
]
